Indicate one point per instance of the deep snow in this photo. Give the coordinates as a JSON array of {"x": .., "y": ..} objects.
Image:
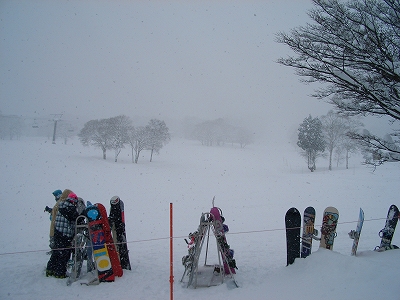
[{"x": 253, "y": 186}]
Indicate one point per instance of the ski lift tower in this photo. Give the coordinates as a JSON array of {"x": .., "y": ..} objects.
[{"x": 56, "y": 118}]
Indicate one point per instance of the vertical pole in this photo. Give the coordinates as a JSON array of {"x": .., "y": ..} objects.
[
  {"x": 54, "y": 132},
  {"x": 171, "y": 265}
]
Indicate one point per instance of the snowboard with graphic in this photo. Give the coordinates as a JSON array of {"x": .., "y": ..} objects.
[
  {"x": 355, "y": 234},
  {"x": 292, "y": 225},
  {"x": 117, "y": 223},
  {"x": 386, "y": 234},
  {"x": 104, "y": 252},
  {"x": 308, "y": 231},
  {"x": 328, "y": 229}
]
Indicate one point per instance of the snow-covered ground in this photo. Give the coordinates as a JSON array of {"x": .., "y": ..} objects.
[{"x": 254, "y": 187}]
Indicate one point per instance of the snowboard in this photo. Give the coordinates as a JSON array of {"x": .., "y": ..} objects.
[
  {"x": 104, "y": 252},
  {"x": 219, "y": 228},
  {"x": 117, "y": 223},
  {"x": 328, "y": 230},
  {"x": 292, "y": 225},
  {"x": 308, "y": 231},
  {"x": 355, "y": 234},
  {"x": 386, "y": 234}
]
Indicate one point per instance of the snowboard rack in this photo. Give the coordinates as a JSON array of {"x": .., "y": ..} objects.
[
  {"x": 195, "y": 245},
  {"x": 83, "y": 249}
]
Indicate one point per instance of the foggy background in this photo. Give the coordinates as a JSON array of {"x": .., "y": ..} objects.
[{"x": 178, "y": 61}]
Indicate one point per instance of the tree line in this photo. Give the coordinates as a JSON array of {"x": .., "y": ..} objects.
[
  {"x": 117, "y": 132},
  {"x": 352, "y": 48},
  {"x": 218, "y": 132},
  {"x": 329, "y": 133}
]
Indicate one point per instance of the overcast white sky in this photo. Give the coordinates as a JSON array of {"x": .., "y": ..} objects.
[{"x": 163, "y": 59}]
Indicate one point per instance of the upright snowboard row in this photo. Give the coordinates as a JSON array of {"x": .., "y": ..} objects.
[
  {"x": 328, "y": 231},
  {"x": 296, "y": 249},
  {"x": 95, "y": 242}
]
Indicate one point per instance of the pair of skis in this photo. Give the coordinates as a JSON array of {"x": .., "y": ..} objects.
[{"x": 296, "y": 249}]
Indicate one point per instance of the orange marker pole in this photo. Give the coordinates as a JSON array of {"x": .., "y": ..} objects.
[{"x": 171, "y": 260}]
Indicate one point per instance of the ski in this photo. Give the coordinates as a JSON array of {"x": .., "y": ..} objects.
[
  {"x": 220, "y": 229},
  {"x": 83, "y": 250},
  {"x": 195, "y": 243}
]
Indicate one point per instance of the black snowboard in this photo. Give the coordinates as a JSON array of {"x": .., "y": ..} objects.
[
  {"x": 117, "y": 224},
  {"x": 388, "y": 231},
  {"x": 293, "y": 224}
]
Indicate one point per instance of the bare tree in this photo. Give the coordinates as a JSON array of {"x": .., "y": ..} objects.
[
  {"x": 350, "y": 145},
  {"x": 353, "y": 48},
  {"x": 138, "y": 140},
  {"x": 334, "y": 130}
]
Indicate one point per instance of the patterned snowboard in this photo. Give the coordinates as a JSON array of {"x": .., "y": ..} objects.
[
  {"x": 308, "y": 231},
  {"x": 328, "y": 230},
  {"x": 387, "y": 232}
]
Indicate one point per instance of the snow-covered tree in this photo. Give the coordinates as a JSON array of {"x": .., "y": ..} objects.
[
  {"x": 352, "y": 48},
  {"x": 119, "y": 127},
  {"x": 96, "y": 133},
  {"x": 11, "y": 126},
  {"x": 158, "y": 136},
  {"x": 138, "y": 140},
  {"x": 311, "y": 140}
]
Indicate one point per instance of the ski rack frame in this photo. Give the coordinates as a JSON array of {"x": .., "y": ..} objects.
[
  {"x": 205, "y": 227},
  {"x": 78, "y": 228}
]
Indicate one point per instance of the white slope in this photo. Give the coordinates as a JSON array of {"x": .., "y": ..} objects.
[{"x": 253, "y": 186}]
